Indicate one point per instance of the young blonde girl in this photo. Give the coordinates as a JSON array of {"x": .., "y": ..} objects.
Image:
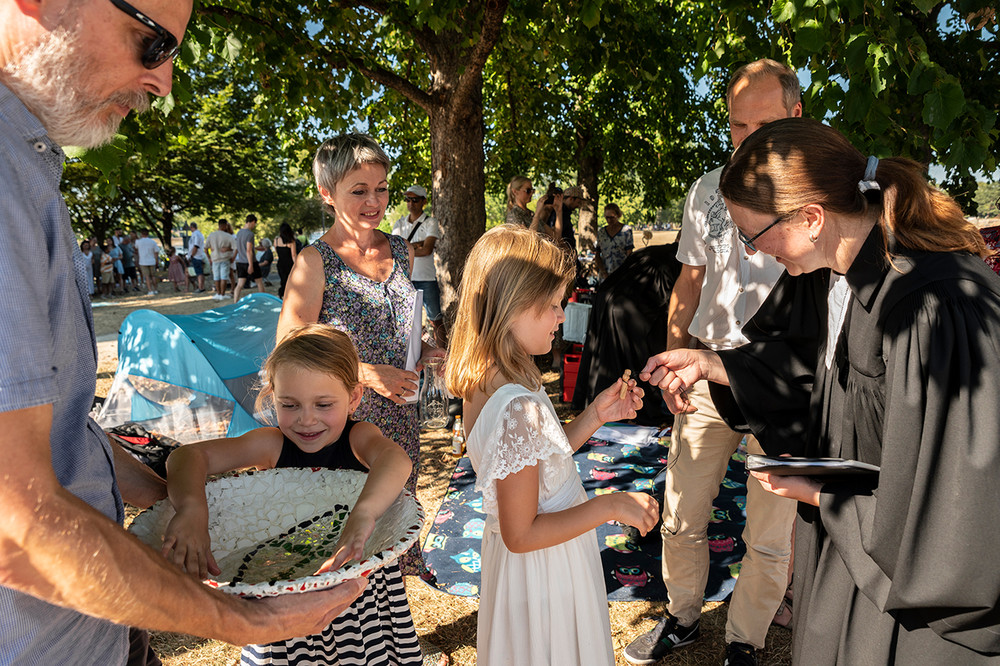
[
  {"x": 312, "y": 382},
  {"x": 542, "y": 598}
]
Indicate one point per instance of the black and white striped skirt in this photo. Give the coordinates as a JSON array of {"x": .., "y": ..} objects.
[{"x": 377, "y": 629}]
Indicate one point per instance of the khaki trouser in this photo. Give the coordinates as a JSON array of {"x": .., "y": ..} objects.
[{"x": 699, "y": 454}]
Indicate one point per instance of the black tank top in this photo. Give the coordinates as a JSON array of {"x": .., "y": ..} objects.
[{"x": 337, "y": 455}]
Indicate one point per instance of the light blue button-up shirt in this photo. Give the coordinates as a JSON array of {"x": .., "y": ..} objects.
[{"x": 48, "y": 356}]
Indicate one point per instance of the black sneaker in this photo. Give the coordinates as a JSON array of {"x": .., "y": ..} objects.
[
  {"x": 664, "y": 637},
  {"x": 740, "y": 654}
]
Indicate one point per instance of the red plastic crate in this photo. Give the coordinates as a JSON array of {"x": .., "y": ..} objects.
[{"x": 570, "y": 369}]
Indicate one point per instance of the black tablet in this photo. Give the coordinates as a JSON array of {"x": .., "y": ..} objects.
[{"x": 825, "y": 467}]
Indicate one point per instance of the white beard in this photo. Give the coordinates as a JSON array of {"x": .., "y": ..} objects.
[{"x": 49, "y": 77}]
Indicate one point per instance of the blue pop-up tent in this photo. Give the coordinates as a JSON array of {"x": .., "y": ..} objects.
[{"x": 192, "y": 377}]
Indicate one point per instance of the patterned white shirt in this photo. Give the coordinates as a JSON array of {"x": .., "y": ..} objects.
[{"x": 736, "y": 282}]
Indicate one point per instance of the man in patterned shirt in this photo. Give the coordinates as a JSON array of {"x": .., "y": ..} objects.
[
  {"x": 73, "y": 580},
  {"x": 720, "y": 286}
]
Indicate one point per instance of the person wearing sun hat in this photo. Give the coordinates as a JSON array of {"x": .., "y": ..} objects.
[
  {"x": 573, "y": 199},
  {"x": 422, "y": 231}
]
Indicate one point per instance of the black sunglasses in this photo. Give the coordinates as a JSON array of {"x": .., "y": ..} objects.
[
  {"x": 159, "y": 49},
  {"x": 748, "y": 241},
  {"x": 411, "y": 199}
]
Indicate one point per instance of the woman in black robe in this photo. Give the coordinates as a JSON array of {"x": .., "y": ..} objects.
[{"x": 887, "y": 298}]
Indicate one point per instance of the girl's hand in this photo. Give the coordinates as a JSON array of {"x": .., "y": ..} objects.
[
  {"x": 800, "y": 488},
  {"x": 187, "y": 544},
  {"x": 351, "y": 545},
  {"x": 640, "y": 510},
  {"x": 389, "y": 381},
  {"x": 609, "y": 406}
]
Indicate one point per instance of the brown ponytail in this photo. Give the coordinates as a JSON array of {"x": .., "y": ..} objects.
[{"x": 793, "y": 162}]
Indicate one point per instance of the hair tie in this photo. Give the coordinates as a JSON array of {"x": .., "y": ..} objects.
[{"x": 869, "y": 182}]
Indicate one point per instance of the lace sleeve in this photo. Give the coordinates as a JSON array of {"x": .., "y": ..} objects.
[{"x": 525, "y": 434}]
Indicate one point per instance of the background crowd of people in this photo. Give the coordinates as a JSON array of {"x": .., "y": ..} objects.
[{"x": 127, "y": 264}]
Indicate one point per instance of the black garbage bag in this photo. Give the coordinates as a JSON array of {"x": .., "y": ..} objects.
[{"x": 148, "y": 448}]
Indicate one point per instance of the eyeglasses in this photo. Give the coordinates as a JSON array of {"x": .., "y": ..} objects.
[
  {"x": 159, "y": 49},
  {"x": 749, "y": 241},
  {"x": 411, "y": 199},
  {"x": 611, "y": 218},
  {"x": 529, "y": 190}
]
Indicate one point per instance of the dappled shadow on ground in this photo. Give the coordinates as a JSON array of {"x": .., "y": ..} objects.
[
  {"x": 449, "y": 622},
  {"x": 109, "y": 313}
]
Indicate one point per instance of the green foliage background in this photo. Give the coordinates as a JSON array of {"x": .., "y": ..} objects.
[{"x": 631, "y": 88}]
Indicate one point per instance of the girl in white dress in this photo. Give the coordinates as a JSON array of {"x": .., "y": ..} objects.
[{"x": 542, "y": 599}]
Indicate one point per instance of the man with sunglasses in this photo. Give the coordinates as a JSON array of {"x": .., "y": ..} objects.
[
  {"x": 422, "y": 231},
  {"x": 72, "y": 579},
  {"x": 721, "y": 285}
]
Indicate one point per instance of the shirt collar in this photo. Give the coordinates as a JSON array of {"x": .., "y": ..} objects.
[{"x": 17, "y": 116}]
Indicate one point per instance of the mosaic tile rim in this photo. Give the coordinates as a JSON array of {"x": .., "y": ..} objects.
[{"x": 255, "y": 506}]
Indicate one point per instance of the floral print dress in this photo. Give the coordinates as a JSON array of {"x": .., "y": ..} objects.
[
  {"x": 518, "y": 215},
  {"x": 614, "y": 249},
  {"x": 377, "y": 316}
]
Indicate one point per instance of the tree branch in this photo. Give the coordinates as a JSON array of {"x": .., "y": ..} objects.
[
  {"x": 493, "y": 13},
  {"x": 382, "y": 75},
  {"x": 423, "y": 37},
  {"x": 207, "y": 10},
  {"x": 386, "y": 77}
]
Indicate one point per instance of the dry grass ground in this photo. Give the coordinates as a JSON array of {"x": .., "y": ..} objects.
[{"x": 446, "y": 621}]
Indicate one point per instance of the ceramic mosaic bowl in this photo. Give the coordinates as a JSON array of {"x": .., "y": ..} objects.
[{"x": 272, "y": 530}]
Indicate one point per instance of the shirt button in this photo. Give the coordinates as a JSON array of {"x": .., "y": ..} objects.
[
  {"x": 746, "y": 257},
  {"x": 739, "y": 323},
  {"x": 741, "y": 290},
  {"x": 40, "y": 147}
]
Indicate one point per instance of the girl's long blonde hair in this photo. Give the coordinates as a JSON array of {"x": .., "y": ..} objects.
[{"x": 510, "y": 270}]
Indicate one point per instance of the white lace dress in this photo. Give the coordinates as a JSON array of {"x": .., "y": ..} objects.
[{"x": 549, "y": 606}]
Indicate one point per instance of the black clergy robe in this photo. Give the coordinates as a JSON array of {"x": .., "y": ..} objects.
[{"x": 906, "y": 572}]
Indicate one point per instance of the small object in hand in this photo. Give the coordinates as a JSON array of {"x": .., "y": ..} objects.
[{"x": 624, "y": 389}]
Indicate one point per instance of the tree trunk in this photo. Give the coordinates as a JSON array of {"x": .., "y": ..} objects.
[
  {"x": 167, "y": 228},
  {"x": 590, "y": 160},
  {"x": 458, "y": 184}
]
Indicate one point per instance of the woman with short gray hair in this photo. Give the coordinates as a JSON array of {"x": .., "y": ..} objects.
[{"x": 357, "y": 279}]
